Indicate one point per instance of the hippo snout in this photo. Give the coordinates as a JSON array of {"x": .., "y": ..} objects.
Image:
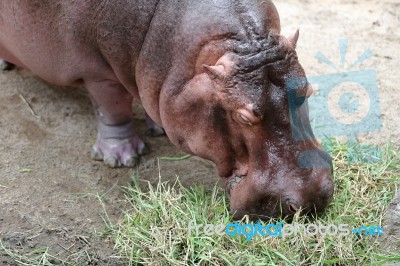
[{"x": 281, "y": 192}]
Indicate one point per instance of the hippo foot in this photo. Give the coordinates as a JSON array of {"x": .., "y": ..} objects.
[
  {"x": 5, "y": 66},
  {"x": 118, "y": 146}
]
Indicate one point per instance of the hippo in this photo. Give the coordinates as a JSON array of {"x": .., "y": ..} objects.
[{"x": 212, "y": 74}]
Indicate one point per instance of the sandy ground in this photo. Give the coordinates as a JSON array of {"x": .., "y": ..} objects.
[{"x": 48, "y": 183}]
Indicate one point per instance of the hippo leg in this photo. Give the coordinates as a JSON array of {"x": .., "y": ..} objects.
[
  {"x": 4, "y": 65},
  {"x": 116, "y": 144},
  {"x": 152, "y": 128}
]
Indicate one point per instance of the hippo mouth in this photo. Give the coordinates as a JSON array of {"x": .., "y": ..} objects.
[{"x": 233, "y": 182}]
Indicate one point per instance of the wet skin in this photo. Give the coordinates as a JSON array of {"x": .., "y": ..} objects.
[{"x": 213, "y": 76}]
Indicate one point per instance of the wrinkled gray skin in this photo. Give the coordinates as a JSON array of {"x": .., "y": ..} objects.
[{"x": 212, "y": 73}]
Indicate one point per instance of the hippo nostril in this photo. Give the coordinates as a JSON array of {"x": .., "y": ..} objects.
[
  {"x": 233, "y": 182},
  {"x": 293, "y": 208}
]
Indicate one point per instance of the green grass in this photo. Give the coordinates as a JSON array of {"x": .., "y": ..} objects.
[{"x": 154, "y": 229}]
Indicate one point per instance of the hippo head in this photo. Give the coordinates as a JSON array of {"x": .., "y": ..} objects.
[{"x": 240, "y": 113}]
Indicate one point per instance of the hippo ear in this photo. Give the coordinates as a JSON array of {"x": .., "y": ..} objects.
[
  {"x": 293, "y": 39},
  {"x": 214, "y": 71}
]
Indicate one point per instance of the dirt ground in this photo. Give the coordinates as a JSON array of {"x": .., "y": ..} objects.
[{"x": 48, "y": 183}]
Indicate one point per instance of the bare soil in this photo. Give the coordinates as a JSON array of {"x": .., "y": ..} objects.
[{"x": 48, "y": 183}]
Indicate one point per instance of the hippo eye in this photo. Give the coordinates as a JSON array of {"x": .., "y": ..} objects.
[
  {"x": 243, "y": 116},
  {"x": 243, "y": 119}
]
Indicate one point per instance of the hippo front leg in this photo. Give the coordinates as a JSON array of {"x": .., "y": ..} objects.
[{"x": 117, "y": 143}]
